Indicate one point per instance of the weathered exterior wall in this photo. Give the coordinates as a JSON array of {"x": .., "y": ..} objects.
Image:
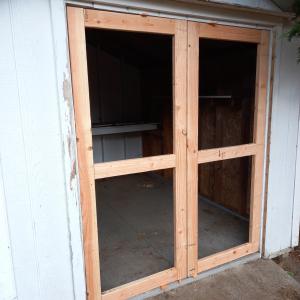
[
  {"x": 41, "y": 242},
  {"x": 281, "y": 203},
  {"x": 38, "y": 185}
]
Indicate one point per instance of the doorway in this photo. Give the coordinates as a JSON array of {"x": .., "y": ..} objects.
[{"x": 170, "y": 134}]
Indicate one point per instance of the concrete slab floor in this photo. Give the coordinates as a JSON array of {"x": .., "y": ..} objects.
[
  {"x": 136, "y": 227},
  {"x": 257, "y": 280}
]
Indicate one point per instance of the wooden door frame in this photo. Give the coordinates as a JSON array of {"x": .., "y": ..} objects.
[
  {"x": 78, "y": 20},
  {"x": 255, "y": 150},
  {"x": 185, "y": 157}
]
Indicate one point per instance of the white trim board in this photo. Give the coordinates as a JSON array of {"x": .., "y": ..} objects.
[
  {"x": 7, "y": 279},
  {"x": 190, "y": 10}
]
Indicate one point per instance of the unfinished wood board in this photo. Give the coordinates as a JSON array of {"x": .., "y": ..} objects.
[
  {"x": 259, "y": 136},
  {"x": 192, "y": 149},
  {"x": 119, "y": 21},
  {"x": 179, "y": 137},
  {"x": 228, "y": 33},
  {"x": 205, "y": 156},
  {"x": 135, "y": 165},
  {"x": 85, "y": 149},
  {"x": 140, "y": 286},
  {"x": 223, "y": 257}
]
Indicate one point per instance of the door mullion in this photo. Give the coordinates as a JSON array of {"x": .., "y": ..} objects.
[{"x": 192, "y": 148}]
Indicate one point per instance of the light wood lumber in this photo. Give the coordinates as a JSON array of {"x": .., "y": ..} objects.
[
  {"x": 135, "y": 165},
  {"x": 84, "y": 149},
  {"x": 179, "y": 138},
  {"x": 192, "y": 147},
  {"x": 228, "y": 33},
  {"x": 211, "y": 155},
  {"x": 259, "y": 136},
  {"x": 127, "y": 22},
  {"x": 137, "y": 287},
  {"x": 223, "y": 257}
]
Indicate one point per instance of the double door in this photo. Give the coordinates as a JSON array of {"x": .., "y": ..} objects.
[{"x": 219, "y": 88}]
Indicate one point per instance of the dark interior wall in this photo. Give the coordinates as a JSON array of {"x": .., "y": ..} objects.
[{"x": 114, "y": 86}]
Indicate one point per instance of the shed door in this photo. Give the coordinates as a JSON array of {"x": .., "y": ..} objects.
[
  {"x": 170, "y": 119},
  {"x": 129, "y": 88},
  {"x": 227, "y": 90}
]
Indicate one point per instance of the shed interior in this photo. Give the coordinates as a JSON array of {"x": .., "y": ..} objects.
[{"x": 130, "y": 87}]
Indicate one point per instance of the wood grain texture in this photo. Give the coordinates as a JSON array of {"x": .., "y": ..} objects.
[
  {"x": 179, "y": 138},
  {"x": 85, "y": 150},
  {"x": 259, "y": 136},
  {"x": 135, "y": 165},
  {"x": 210, "y": 155},
  {"x": 226, "y": 256},
  {"x": 192, "y": 147},
  {"x": 228, "y": 33},
  {"x": 127, "y": 22},
  {"x": 140, "y": 286}
]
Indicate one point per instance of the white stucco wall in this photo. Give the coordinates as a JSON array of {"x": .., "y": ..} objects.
[{"x": 40, "y": 232}]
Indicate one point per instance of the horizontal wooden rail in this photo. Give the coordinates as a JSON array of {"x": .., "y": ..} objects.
[
  {"x": 136, "y": 165},
  {"x": 226, "y": 256},
  {"x": 228, "y": 33},
  {"x": 137, "y": 287},
  {"x": 211, "y": 155},
  {"x": 128, "y": 22}
]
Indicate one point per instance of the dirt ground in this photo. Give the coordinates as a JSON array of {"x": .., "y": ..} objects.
[
  {"x": 290, "y": 263},
  {"x": 257, "y": 280}
]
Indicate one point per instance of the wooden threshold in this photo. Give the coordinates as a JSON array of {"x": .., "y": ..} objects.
[
  {"x": 135, "y": 165},
  {"x": 141, "y": 285},
  {"x": 226, "y": 256},
  {"x": 211, "y": 155}
]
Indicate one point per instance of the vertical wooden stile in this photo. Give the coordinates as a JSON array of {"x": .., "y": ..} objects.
[
  {"x": 192, "y": 147},
  {"x": 84, "y": 149},
  {"x": 180, "y": 132},
  {"x": 259, "y": 137}
]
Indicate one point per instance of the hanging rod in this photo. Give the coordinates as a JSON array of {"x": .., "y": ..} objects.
[{"x": 215, "y": 97}]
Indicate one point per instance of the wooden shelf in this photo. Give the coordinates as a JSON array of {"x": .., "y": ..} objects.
[{"x": 126, "y": 128}]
